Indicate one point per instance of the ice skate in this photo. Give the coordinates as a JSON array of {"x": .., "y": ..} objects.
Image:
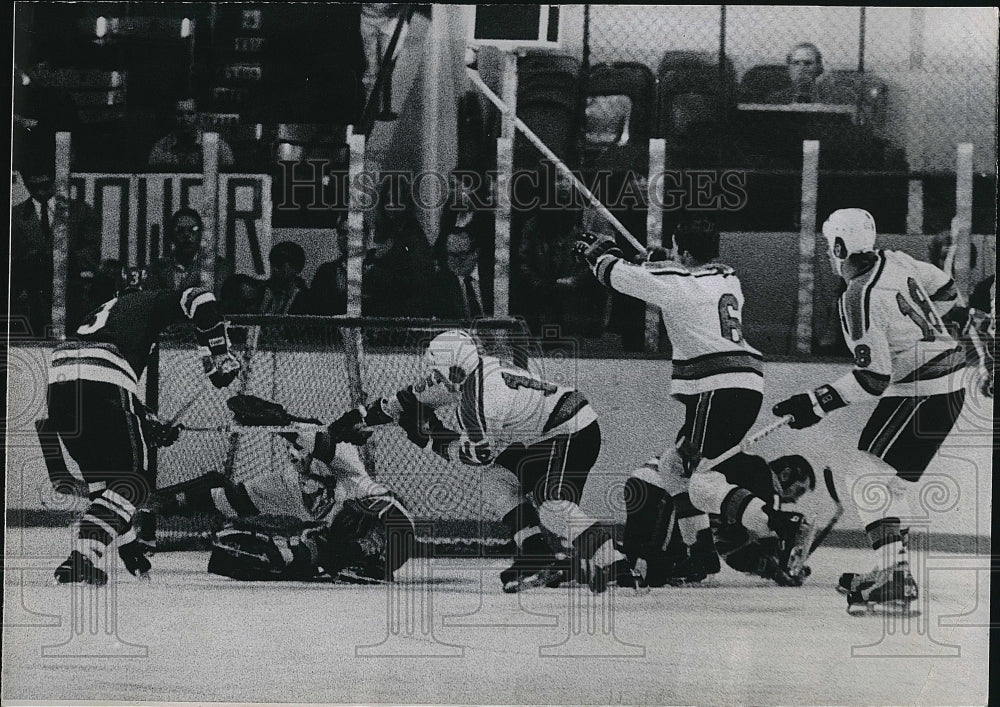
[
  {"x": 702, "y": 562},
  {"x": 135, "y": 560},
  {"x": 617, "y": 574},
  {"x": 892, "y": 588},
  {"x": 530, "y": 572},
  {"x": 78, "y": 568}
]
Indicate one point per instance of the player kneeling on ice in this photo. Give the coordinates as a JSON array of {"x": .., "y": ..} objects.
[
  {"x": 545, "y": 434},
  {"x": 320, "y": 513},
  {"x": 652, "y": 541},
  {"x": 906, "y": 358},
  {"x": 94, "y": 409}
]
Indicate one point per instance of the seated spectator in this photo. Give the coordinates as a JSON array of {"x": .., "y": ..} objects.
[
  {"x": 456, "y": 278},
  {"x": 181, "y": 264},
  {"x": 285, "y": 292},
  {"x": 241, "y": 294},
  {"x": 399, "y": 265},
  {"x": 805, "y": 71},
  {"x": 328, "y": 290},
  {"x": 553, "y": 288},
  {"x": 180, "y": 149},
  {"x": 31, "y": 265}
]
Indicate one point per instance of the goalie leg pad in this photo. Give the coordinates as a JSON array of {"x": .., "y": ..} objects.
[{"x": 252, "y": 556}]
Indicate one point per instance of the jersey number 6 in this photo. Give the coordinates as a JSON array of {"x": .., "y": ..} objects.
[{"x": 729, "y": 323}]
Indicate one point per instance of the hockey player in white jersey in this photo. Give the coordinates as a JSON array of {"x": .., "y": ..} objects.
[
  {"x": 717, "y": 376},
  {"x": 894, "y": 313},
  {"x": 546, "y": 435}
]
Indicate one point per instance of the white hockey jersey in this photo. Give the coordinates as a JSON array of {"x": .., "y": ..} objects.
[
  {"x": 891, "y": 317},
  {"x": 501, "y": 405},
  {"x": 702, "y": 311}
]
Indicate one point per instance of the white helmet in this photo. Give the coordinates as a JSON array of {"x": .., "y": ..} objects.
[
  {"x": 450, "y": 350},
  {"x": 848, "y": 231}
]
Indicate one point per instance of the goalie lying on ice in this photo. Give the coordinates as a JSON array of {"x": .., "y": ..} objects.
[{"x": 319, "y": 513}]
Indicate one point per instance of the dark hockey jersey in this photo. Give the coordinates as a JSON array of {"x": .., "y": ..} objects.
[{"x": 115, "y": 342}]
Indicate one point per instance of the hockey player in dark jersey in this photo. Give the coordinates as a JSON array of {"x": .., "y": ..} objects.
[
  {"x": 654, "y": 546},
  {"x": 94, "y": 409}
]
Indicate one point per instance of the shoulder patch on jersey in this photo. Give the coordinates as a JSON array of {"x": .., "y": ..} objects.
[
  {"x": 855, "y": 303},
  {"x": 666, "y": 267},
  {"x": 714, "y": 269}
]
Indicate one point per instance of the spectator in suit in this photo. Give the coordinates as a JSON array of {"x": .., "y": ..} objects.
[
  {"x": 181, "y": 264},
  {"x": 285, "y": 292},
  {"x": 456, "y": 279},
  {"x": 180, "y": 149},
  {"x": 399, "y": 266},
  {"x": 31, "y": 266},
  {"x": 553, "y": 288},
  {"x": 805, "y": 72},
  {"x": 328, "y": 290},
  {"x": 241, "y": 294}
]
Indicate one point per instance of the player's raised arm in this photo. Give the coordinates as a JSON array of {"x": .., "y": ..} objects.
[
  {"x": 200, "y": 306},
  {"x": 603, "y": 256}
]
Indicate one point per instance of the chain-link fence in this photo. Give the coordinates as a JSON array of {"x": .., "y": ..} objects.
[{"x": 921, "y": 80}]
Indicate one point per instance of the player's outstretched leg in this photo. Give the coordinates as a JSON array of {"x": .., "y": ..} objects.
[{"x": 535, "y": 564}]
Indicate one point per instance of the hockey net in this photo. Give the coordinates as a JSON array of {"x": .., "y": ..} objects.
[{"x": 320, "y": 367}]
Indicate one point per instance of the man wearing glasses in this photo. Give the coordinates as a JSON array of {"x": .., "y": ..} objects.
[{"x": 180, "y": 149}]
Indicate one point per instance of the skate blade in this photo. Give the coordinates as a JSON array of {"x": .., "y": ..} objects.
[
  {"x": 540, "y": 580},
  {"x": 709, "y": 581},
  {"x": 347, "y": 577},
  {"x": 896, "y": 607}
]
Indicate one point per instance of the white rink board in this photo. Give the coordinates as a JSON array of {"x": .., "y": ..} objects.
[{"x": 638, "y": 418}]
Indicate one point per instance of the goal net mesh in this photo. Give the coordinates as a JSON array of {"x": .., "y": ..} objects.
[{"x": 320, "y": 367}]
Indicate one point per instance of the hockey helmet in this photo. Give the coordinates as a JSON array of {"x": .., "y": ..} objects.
[
  {"x": 793, "y": 477},
  {"x": 848, "y": 231},
  {"x": 454, "y": 354}
]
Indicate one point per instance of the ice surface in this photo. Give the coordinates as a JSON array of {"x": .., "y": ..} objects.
[{"x": 195, "y": 637}]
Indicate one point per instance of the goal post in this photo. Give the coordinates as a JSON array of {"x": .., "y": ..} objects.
[{"x": 321, "y": 367}]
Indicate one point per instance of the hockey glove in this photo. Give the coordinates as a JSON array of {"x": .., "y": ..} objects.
[
  {"x": 221, "y": 369},
  {"x": 592, "y": 246},
  {"x": 809, "y": 408},
  {"x": 376, "y": 414},
  {"x": 159, "y": 434},
  {"x": 424, "y": 429},
  {"x": 350, "y": 427}
]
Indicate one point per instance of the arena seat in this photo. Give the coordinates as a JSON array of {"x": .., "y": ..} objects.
[
  {"x": 761, "y": 81},
  {"x": 620, "y": 115},
  {"x": 695, "y": 99},
  {"x": 299, "y": 141},
  {"x": 547, "y": 94}
]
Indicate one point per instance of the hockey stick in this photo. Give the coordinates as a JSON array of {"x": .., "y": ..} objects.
[
  {"x": 748, "y": 442},
  {"x": 837, "y": 513},
  {"x": 235, "y": 428}
]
